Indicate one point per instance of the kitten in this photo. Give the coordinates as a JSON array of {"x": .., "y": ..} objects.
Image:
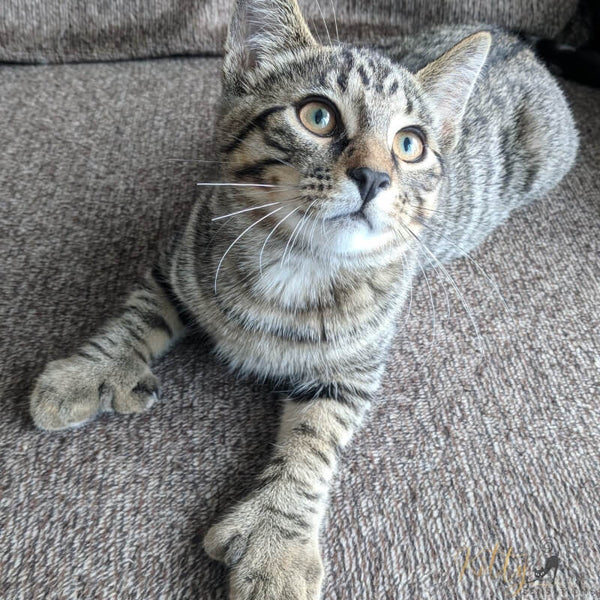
[{"x": 345, "y": 171}]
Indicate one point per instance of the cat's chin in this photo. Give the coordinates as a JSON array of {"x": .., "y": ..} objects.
[{"x": 359, "y": 236}]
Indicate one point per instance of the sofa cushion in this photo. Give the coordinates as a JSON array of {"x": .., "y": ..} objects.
[
  {"x": 465, "y": 449},
  {"x": 84, "y": 30}
]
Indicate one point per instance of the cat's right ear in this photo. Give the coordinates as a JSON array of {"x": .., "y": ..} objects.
[{"x": 259, "y": 31}]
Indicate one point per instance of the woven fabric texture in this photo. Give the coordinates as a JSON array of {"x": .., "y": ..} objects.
[
  {"x": 91, "y": 30},
  {"x": 466, "y": 448}
]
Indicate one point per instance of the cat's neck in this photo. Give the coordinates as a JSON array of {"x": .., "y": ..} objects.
[{"x": 294, "y": 276}]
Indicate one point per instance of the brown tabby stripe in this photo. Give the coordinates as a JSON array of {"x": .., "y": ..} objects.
[{"x": 257, "y": 122}]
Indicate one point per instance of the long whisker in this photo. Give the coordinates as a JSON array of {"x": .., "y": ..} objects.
[
  {"x": 198, "y": 160},
  {"x": 304, "y": 220},
  {"x": 232, "y": 184},
  {"x": 292, "y": 235},
  {"x": 238, "y": 237},
  {"x": 337, "y": 33},
  {"x": 284, "y": 201},
  {"x": 239, "y": 212},
  {"x": 436, "y": 270},
  {"x": 434, "y": 328},
  {"x": 269, "y": 237},
  {"x": 434, "y": 332},
  {"x": 324, "y": 22},
  {"x": 410, "y": 300},
  {"x": 472, "y": 260},
  {"x": 314, "y": 28},
  {"x": 312, "y": 233},
  {"x": 466, "y": 306}
]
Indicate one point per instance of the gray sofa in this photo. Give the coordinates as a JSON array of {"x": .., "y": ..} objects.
[{"x": 468, "y": 450}]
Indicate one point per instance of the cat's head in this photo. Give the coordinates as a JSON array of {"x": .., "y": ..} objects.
[{"x": 351, "y": 144}]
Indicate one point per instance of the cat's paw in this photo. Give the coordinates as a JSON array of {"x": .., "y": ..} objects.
[
  {"x": 74, "y": 390},
  {"x": 269, "y": 558}
]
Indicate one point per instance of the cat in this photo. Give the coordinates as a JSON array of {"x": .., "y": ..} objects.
[
  {"x": 551, "y": 563},
  {"x": 346, "y": 170}
]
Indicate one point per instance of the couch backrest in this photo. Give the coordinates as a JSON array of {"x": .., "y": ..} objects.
[{"x": 84, "y": 30}]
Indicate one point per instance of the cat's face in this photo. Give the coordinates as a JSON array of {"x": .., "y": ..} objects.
[
  {"x": 342, "y": 148},
  {"x": 349, "y": 138}
]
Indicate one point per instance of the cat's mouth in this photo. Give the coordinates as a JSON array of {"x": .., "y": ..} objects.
[
  {"x": 360, "y": 215},
  {"x": 357, "y": 215}
]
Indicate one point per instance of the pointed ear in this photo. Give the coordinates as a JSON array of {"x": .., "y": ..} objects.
[
  {"x": 449, "y": 81},
  {"x": 259, "y": 30}
]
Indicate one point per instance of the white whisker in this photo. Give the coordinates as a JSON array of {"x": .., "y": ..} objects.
[
  {"x": 337, "y": 33},
  {"x": 198, "y": 160},
  {"x": 461, "y": 297},
  {"x": 239, "y": 212},
  {"x": 265, "y": 185},
  {"x": 303, "y": 221},
  {"x": 269, "y": 236},
  {"x": 293, "y": 232},
  {"x": 434, "y": 329},
  {"x": 324, "y": 22},
  {"x": 312, "y": 233},
  {"x": 314, "y": 28},
  {"x": 410, "y": 300},
  {"x": 470, "y": 259},
  {"x": 237, "y": 238}
]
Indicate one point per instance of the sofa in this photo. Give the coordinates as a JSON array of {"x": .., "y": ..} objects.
[{"x": 479, "y": 462}]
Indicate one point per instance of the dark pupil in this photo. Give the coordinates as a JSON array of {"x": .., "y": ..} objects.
[
  {"x": 319, "y": 116},
  {"x": 407, "y": 144}
]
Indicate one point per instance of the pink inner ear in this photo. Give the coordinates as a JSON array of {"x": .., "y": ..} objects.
[{"x": 448, "y": 130}]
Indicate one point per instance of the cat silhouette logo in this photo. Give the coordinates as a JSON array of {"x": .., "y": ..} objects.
[{"x": 551, "y": 564}]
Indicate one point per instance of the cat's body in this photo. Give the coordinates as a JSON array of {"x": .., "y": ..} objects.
[
  {"x": 303, "y": 283},
  {"x": 306, "y": 312}
]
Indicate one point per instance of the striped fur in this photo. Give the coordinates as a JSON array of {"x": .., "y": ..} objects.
[
  {"x": 295, "y": 277},
  {"x": 111, "y": 371}
]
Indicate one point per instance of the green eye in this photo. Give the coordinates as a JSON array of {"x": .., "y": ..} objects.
[
  {"x": 409, "y": 145},
  {"x": 318, "y": 118}
]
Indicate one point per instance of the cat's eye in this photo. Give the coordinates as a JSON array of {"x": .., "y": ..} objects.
[
  {"x": 318, "y": 117},
  {"x": 409, "y": 145}
]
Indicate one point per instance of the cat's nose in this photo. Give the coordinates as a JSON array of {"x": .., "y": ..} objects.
[{"x": 369, "y": 182}]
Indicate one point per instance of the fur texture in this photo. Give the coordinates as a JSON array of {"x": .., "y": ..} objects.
[{"x": 296, "y": 274}]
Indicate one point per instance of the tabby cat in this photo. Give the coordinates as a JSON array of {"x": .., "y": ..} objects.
[{"x": 345, "y": 171}]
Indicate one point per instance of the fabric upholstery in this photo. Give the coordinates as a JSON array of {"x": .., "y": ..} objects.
[
  {"x": 465, "y": 449},
  {"x": 84, "y": 30}
]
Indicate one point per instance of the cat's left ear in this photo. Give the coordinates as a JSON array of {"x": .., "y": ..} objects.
[
  {"x": 261, "y": 29},
  {"x": 449, "y": 80}
]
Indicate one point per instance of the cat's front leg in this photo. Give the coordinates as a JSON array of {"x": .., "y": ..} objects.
[
  {"x": 270, "y": 539},
  {"x": 111, "y": 371}
]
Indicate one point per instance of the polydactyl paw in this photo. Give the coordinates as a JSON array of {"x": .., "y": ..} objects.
[
  {"x": 272, "y": 553},
  {"x": 72, "y": 391}
]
